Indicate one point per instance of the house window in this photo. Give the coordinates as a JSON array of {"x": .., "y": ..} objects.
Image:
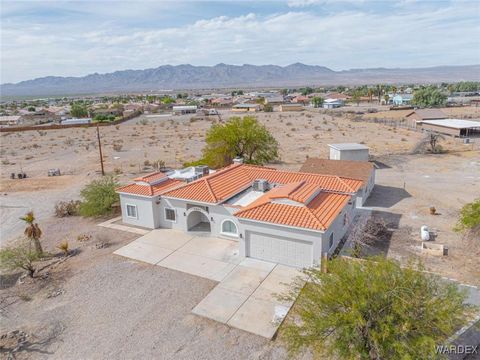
[
  {"x": 330, "y": 241},
  {"x": 229, "y": 228},
  {"x": 170, "y": 215},
  {"x": 132, "y": 211}
]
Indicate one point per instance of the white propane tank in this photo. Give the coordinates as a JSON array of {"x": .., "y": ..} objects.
[{"x": 424, "y": 233}]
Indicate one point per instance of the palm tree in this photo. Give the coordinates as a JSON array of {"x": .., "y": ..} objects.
[
  {"x": 33, "y": 231},
  {"x": 370, "y": 94}
]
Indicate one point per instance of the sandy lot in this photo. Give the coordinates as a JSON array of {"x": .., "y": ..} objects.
[{"x": 97, "y": 305}]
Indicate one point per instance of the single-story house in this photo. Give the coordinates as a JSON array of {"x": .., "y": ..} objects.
[
  {"x": 10, "y": 120},
  {"x": 402, "y": 99},
  {"x": 291, "y": 107},
  {"x": 222, "y": 102},
  {"x": 453, "y": 127},
  {"x": 246, "y": 107},
  {"x": 274, "y": 99},
  {"x": 184, "y": 109},
  {"x": 419, "y": 115},
  {"x": 301, "y": 99},
  {"x": 76, "y": 121},
  {"x": 349, "y": 151},
  {"x": 333, "y": 103},
  {"x": 362, "y": 170},
  {"x": 287, "y": 217}
]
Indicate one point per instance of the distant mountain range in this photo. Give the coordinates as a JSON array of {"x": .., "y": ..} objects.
[{"x": 232, "y": 76}]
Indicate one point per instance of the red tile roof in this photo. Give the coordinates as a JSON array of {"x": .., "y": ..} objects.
[
  {"x": 150, "y": 190},
  {"x": 317, "y": 213},
  {"x": 229, "y": 181},
  {"x": 152, "y": 177}
]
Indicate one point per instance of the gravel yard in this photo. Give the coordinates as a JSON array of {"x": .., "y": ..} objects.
[{"x": 97, "y": 305}]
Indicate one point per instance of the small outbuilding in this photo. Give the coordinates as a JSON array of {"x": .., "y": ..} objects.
[
  {"x": 453, "y": 127},
  {"x": 417, "y": 116},
  {"x": 348, "y": 151},
  {"x": 184, "y": 109},
  {"x": 246, "y": 107}
]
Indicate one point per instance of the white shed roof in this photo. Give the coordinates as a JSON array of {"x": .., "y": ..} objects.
[
  {"x": 348, "y": 146},
  {"x": 454, "y": 123}
]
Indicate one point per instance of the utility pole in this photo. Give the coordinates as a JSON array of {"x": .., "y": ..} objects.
[{"x": 100, "y": 149}]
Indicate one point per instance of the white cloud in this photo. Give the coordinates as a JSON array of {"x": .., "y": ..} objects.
[{"x": 349, "y": 39}]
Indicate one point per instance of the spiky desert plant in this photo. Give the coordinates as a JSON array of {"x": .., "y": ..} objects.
[{"x": 33, "y": 231}]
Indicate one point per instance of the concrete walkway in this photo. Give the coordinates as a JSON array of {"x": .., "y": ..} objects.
[
  {"x": 110, "y": 224},
  {"x": 246, "y": 296}
]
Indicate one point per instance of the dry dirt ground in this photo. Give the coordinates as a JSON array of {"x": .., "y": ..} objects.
[{"x": 96, "y": 305}]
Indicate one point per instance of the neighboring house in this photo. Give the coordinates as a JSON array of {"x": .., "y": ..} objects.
[
  {"x": 348, "y": 151},
  {"x": 402, "y": 99},
  {"x": 287, "y": 217},
  {"x": 247, "y": 107},
  {"x": 333, "y": 103},
  {"x": 184, "y": 109},
  {"x": 41, "y": 116},
  {"x": 274, "y": 100},
  {"x": 417, "y": 116},
  {"x": 291, "y": 107},
  {"x": 453, "y": 127},
  {"x": 222, "y": 102},
  {"x": 301, "y": 99},
  {"x": 362, "y": 170},
  {"x": 10, "y": 120},
  {"x": 76, "y": 121}
]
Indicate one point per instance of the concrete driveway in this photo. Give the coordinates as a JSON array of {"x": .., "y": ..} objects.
[{"x": 247, "y": 294}]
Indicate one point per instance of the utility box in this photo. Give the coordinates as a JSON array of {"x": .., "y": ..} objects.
[{"x": 348, "y": 151}]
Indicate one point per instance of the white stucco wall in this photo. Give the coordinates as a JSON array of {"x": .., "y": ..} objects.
[
  {"x": 338, "y": 228},
  {"x": 145, "y": 211},
  {"x": 366, "y": 190},
  {"x": 354, "y": 155}
]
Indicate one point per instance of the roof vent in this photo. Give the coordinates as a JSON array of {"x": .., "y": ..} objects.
[
  {"x": 238, "y": 160},
  {"x": 261, "y": 185}
]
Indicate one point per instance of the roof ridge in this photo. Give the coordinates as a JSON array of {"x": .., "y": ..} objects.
[
  {"x": 315, "y": 217},
  {"x": 344, "y": 183},
  {"x": 210, "y": 190}
]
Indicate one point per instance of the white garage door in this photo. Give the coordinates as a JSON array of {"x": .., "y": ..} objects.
[{"x": 285, "y": 251}]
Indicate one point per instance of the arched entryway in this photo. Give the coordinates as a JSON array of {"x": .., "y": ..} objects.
[{"x": 197, "y": 220}]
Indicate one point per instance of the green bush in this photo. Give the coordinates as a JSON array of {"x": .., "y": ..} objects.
[
  {"x": 20, "y": 257},
  {"x": 104, "y": 118},
  {"x": 98, "y": 197},
  {"x": 469, "y": 218},
  {"x": 374, "y": 310}
]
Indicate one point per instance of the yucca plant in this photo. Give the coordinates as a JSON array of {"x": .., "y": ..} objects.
[
  {"x": 33, "y": 231},
  {"x": 64, "y": 247}
]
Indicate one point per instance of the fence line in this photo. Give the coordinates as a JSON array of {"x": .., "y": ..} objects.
[{"x": 68, "y": 126}]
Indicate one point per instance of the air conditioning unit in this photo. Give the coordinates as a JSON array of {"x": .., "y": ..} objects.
[
  {"x": 261, "y": 185},
  {"x": 202, "y": 170}
]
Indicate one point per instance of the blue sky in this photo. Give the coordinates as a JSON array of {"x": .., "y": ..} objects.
[{"x": 76, "y": 38}]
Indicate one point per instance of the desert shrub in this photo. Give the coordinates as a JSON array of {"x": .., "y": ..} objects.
[
  {"x": 374, "y": 310},
  {"x": 20, "y": 257},
  {"x": 469, "y": 219},
  {"x": 84, "y": 237},
  {"x": 117, "y": 146},
  {"x": 67, "y": 208},
  {"x": 63, "y": 246},
  {"x": 98, "y": 197}
]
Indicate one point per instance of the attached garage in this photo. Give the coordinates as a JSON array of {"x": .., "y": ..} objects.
[{"x": 286, "y": 251}]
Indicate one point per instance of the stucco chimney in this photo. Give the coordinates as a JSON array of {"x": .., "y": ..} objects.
[{"x": 238, "y": 160}]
